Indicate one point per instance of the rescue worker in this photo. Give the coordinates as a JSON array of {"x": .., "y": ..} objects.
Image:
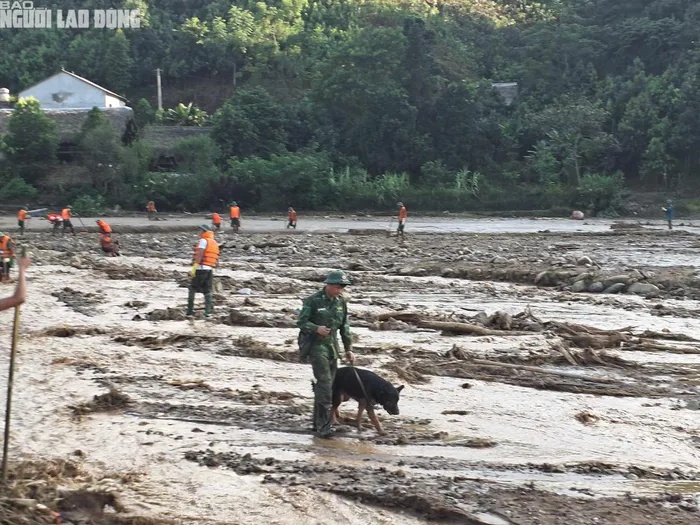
[
  {"x": 7, "y": 252},
  {"x": 403, "y": 215},
  {"x": 235, "y": 213},
  {"x": 66, "y": 216},
  {"x": 103, "y": 226},
  {"x": 20, "y": 294},
  {"x": 292, "y": 218},
  {"x": 669, "y": 213},
  {"x": 323, "y": 315},
  {"x": 111, "y": 248},
  {"x": 206, "y": 256},
  {"x": 216, "y": 220},
  {"x": 151, "y": 209},
  {"x": 22, "y": 215},
  {"x": 56, "y": 220}
]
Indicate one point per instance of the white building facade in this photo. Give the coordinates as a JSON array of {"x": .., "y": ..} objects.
[{"x": 66, "y": 90}]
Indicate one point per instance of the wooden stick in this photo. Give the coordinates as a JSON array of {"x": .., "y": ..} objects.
[{"x": 10, "y": 379}]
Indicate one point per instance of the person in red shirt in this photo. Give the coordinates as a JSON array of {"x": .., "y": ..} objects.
[{"x": 56, "y": 220}]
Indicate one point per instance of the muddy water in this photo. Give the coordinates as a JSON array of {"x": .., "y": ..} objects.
[{"x": 211, "y": 387}]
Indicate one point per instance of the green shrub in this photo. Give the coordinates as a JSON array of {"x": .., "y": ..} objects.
[
  {"x": 17, "y": 188},
  {"x": 90, "y": 204}
]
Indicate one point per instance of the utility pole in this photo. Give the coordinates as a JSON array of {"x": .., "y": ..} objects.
[{"x": 160, "y": 91}]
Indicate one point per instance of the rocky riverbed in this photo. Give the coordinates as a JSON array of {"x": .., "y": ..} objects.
[{"x": 550, "y": 377}]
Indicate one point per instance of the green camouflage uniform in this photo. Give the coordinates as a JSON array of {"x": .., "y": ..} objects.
[{"x": 320, "y": 310}]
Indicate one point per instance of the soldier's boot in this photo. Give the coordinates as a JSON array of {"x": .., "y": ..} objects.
[
  {"x": 323, "y": 421},
  {"x": 208, "y": 304},
  {"x": 190, "y": 304}
]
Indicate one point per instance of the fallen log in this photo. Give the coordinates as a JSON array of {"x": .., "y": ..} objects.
[
  {"x": 467, "y": 328},
  {"x": 644, "y": 346},
  {"x": 495, "y": 364}
]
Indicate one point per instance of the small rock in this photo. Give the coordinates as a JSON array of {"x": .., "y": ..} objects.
[
  {"x": 499, "y": 260},
  {"x": 245, "y": 291},
  {"x": 585, "y": 260},
  {"x": 617, "y": 279}
]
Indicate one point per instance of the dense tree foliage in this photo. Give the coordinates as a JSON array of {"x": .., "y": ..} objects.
[{"x": 312, "y": 99}]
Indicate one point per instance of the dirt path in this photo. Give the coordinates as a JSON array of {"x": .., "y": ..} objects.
[{"x": 526, "y": 402}]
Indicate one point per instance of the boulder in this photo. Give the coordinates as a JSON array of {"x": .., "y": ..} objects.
[
  {"x": 644, "y": 289},
  {"x": 577, "y": 215},
  {"x": 579, "y": 286},
  {"x": 615, "y": 288},
  {"x": 584, "y": 260},
  {"x": 617, "y": 279},
  {"x": 596, "y": 287}
]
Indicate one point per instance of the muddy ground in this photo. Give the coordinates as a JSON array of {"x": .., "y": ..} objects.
[{"x": 550, "y": 378}]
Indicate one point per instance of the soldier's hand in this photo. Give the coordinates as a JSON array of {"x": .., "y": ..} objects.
[
  {"x": 350, "y": 357},
  {"x": 323, "y": 331}
]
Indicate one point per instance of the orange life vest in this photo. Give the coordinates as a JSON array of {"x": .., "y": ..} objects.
[
  {"x": 211, "y": 253},
  {"x": 235, "y": 212},
  {"x": 7, "y": 247},
  {"x": 53, "y": 217},
  {"x": 22, "y": 214},
  {"x": 65, "y": 214},
  {"x": 403, "y": 213},
  {"x": 104, "y": 227},
  {"x": 105, "y": 240},
  {"x": 293, "y": 215},
  {"x": 215, "y": 218}
]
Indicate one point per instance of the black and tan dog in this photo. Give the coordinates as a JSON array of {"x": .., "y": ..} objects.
[{"x": 369, "y": 391}]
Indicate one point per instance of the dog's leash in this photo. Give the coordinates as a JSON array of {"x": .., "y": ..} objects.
[{"x": 364, "y": 392}]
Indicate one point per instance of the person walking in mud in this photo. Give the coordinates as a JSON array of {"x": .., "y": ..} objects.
[
  {"x": 291, "y": 218},
  {"x": 206, "y": 256},
  {"x": 22, "y": 216},
  {"x": 151, "y": 210},
  {"x": 110, "y": 247},
  {"x": 669, "y": 213},
  {"x": 7, "y": 252},
  {"x": 403, "y": 215},
  {"x": 235, "y": 214},
  {"x": 66, "y": 216},
  {"x": 20, "y": 294},
  {"x": 56, "y": 220},
  {"x": 323, "y": 315},
  {"x": 216, "y": 221}
]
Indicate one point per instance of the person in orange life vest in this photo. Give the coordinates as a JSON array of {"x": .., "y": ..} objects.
[
  {"x": 235, "y": 213},
  {"x": 22, "y": 215},
  {"x": 206, "y": 256},
  {"x": 151, "y": 208},
  {"x": 66, "y": 216},
  {"x": 7, "y": 254},
  {"x": 20, "y": 294},
  {"x": 403, "y": 215},
  {"x": 103, "y": 226},
  {"x": 111, "y": 248},
  {"x": 216, "y": 220},
  {"x": 292, "y": 218},
  {"x": 56, "y": 220}
]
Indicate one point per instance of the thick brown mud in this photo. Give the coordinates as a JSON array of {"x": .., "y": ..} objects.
[{"x": 548, "y": 376}]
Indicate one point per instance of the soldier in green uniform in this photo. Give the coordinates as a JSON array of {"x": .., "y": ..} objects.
[{"x": 323, "y": 315}]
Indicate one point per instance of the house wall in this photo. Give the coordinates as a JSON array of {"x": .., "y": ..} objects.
[
  {"x": 113, "y": 102},
  {"x": 63, "y": 91}
]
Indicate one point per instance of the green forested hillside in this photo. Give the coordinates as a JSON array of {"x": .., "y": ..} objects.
[{"x": 355, "y": 103}]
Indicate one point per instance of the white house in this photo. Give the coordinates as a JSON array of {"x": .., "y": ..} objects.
[{"x": 66, "y": 90}]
